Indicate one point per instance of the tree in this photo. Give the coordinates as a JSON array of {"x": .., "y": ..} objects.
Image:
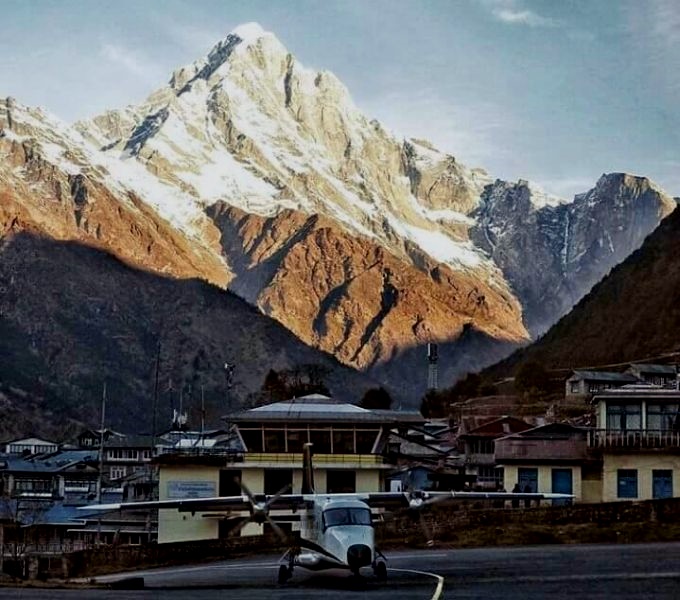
[
  {"x": 531, "y": 378},
  {"x": 376, "y": 398},
  {"x": 274, "y": 387},
  {"x": 434, "y": 405}
]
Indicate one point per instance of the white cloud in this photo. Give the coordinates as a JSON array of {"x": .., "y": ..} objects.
[
  {"x": 523, "y": 17},
  {"x": 512, "y": 12},
  {"x": 131, "y": 61}
]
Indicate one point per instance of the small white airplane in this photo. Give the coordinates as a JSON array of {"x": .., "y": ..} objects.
[{"x": 336, "y": 530}]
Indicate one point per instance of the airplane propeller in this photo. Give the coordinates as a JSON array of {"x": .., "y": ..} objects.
[
  {"x": 259, "y": 512},
  {"x": 418, "y": 501}
]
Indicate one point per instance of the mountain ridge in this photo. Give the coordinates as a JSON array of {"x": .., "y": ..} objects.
[{"x": 250, "y": 171}]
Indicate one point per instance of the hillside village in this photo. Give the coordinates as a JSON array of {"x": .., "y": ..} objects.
[{"x": 619, "y": 444}]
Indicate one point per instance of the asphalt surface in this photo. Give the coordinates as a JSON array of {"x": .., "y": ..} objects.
[{"x": 597, "y": 571}]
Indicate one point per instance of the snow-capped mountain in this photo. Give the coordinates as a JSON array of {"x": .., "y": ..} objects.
[{"x": 253, "y": 172}]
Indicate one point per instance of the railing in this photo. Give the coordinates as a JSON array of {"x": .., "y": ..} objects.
[
  {"x": 640, "y": 438},
  {"x": 296, "y": 458}
]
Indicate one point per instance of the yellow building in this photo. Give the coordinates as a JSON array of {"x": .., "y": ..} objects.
[
  {"x": 266, "y": 457},
  {"x": 633, "y": 452},
  {"x": 548, "y": 459},
  {"x": 638, "y": 440}
]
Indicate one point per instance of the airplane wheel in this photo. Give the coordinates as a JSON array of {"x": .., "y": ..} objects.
[
  {"x": 381, "y": 570},
  {"x": 284, "y": 574}
]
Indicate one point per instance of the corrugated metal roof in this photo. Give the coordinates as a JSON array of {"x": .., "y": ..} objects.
[
  {"x": 654, "y": 369},
  {"x": 316, "y": 407},
  {"x": 604, "y": 376}
]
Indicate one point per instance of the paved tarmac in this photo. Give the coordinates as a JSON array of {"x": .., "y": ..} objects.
[{"x": 527, "y": 573}]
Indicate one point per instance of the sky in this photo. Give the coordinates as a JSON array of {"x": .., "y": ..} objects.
[{"x": 557, "y": 92}]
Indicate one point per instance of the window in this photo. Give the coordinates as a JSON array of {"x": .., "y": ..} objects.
[
  {"x": 321, "y": 438},
  {"x": 296, "y": 439},
  {"x": 276, "y": 479},
  {"x": 252, "y": 438},
  {"x": 489, "y": 474},
  {"x": 622, "y": 417},
  {"x": 347, "y": 516},
  {"x": 118, "y": 472},
  {"x": 365, "y": 441},
  {"x": 274, "y": 440},
  {"x": 665, "y": 417},
  {"x": 482, "y": 447},
  {"x": 662, "y": 483},
  {"x": 574, "y": 387},
  {"x": 343, "y": 441},
  {"x": 230, "y": 481},
  {"x": 341, "y": 482},
  {"x": 627, "y": 483}
]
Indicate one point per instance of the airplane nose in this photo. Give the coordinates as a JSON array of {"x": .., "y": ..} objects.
[{"x": 358, "y": 555}]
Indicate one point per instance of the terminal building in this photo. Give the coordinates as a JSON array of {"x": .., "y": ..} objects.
[{"x": 265, "y": 455}]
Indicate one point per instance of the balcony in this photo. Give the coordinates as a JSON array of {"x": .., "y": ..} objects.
[
  {"x": 363, "y": 460},
  {"x": 635, "y": 439}
]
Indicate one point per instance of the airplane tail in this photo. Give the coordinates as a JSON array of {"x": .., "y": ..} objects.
[{"x": 307, "y": 470}]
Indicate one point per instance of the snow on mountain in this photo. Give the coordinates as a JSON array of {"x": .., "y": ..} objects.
[
  {"x": 250, "y": 125},
  {"x": 250, "y": 170}
]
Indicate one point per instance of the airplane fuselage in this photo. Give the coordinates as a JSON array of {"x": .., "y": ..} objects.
[{"x": 337, "y": 533}]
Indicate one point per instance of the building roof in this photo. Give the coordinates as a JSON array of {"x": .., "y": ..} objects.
[
  {"x": 498, "y": 427},
  {"x": 48, "y": 463},
  {"x": 654, "y": 369},
  {"x": 604, "y": 376},
  {"x": 319, "y": 408},
  {"x": 32, "y": 441},
  {"x": 549, "y": 431},
  {"x": 639, "y": 390}
]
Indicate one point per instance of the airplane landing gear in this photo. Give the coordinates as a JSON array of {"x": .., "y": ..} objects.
[{"x": 380, "y": 570}]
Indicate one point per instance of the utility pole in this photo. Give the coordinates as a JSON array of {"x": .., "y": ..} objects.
[
  {"x": 202, "y": 413},
  {"x": 155, "y": 399},
  {"x": 101, "y": 446}
]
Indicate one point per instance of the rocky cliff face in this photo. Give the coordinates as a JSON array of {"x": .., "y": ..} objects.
[
  {"x": 553, "y": 252},
  {"x": 631, "y": 315},
  {"x": 252, "y": 172}
]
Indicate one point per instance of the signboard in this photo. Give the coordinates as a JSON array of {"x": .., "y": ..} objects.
[{"x": 178, "y": 490}]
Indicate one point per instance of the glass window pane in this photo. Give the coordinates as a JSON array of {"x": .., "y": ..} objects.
[
  {"x": 343, "y": 442},
  {"x": 297, "y": 439},
  {"x": 321, "y": 441},
  {"x": 252, "y": 438},
  {"x": 627, "y": 484},
  {"x": 365, "y": 441},
  {"x": 274, "y": 440}
]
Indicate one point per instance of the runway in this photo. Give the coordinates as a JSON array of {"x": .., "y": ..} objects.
[{"x": 563, "y": 572}]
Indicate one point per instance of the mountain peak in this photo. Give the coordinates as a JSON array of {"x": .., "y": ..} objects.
[{"x": 249, "y": 32}]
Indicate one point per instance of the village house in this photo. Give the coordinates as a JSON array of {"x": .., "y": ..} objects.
[
  {"x": 584, "y": 383},
  {"x": 30, "y": 445},
  {"x": 665, "y": 376},
  {"x": 637, "y": 438},
  {"x": 551, "y": 458},
  {"x": 478, "y": 445}
]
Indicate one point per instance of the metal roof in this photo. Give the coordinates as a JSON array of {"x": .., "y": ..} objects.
[
  {"x": 604, "y": 376},
  {"x": 656, "y": 369},
  {"x": 319, "y": 408}
]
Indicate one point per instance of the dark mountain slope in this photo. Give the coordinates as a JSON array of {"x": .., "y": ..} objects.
[
  {"x": 632, "y": 313},
  {"x": 72, "y": 317}
]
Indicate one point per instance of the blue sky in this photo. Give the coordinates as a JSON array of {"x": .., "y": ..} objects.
[{"x": 554, "y": 91}]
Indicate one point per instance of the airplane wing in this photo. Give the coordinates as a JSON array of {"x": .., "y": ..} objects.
[{"x": 296, "y": 501}]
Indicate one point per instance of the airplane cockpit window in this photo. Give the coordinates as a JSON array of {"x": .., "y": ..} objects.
[{"x": 347, "y": 516}]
